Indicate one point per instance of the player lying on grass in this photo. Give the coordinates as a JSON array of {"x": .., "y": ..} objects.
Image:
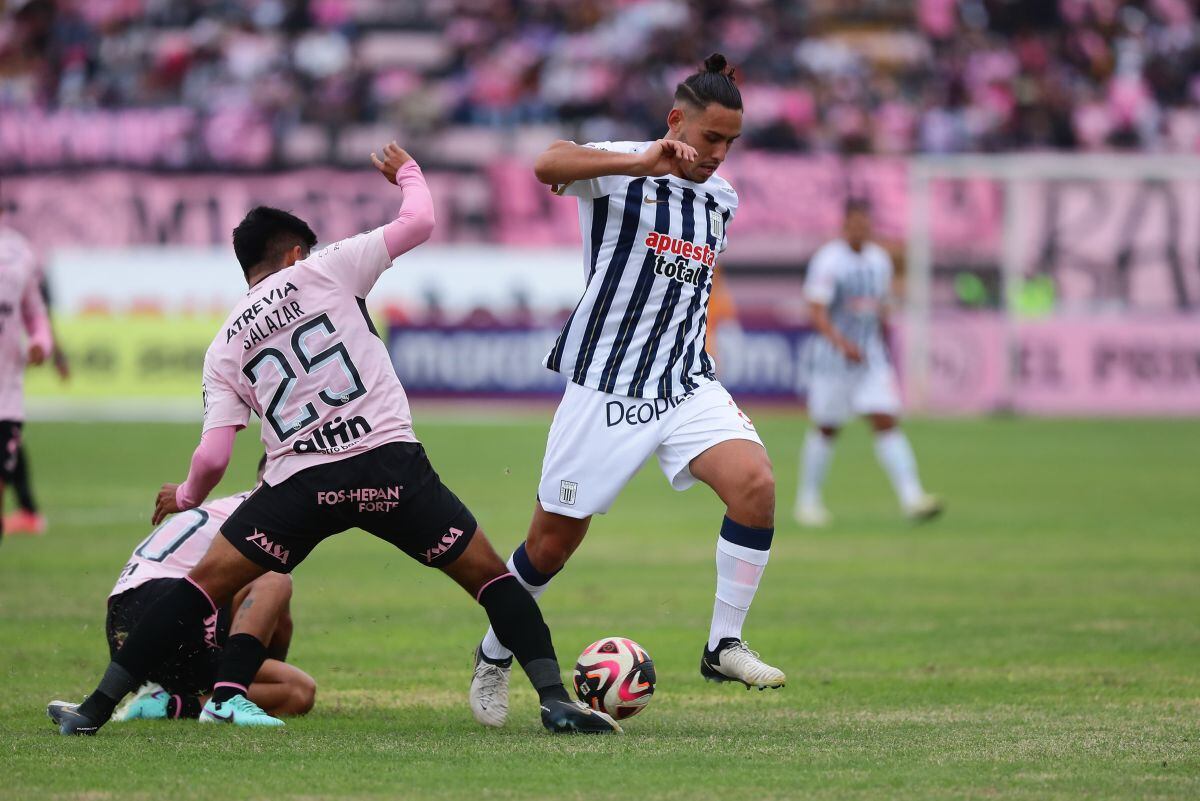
[
  {"x": 300, "y": 351},
  {"x": 654, "y": 217},
  {"x": 260, "y": 612},
  {"x": 850, "y": 373}
]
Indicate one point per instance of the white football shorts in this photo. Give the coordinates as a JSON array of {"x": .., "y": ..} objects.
[
  {"x": 599, "y": 441},
  {"x": 836, "y": 395}
]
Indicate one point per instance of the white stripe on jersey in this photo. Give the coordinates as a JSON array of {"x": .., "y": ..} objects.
[{"x": 650, "y": 246}]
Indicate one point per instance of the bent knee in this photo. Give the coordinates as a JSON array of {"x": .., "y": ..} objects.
[
  {"x": 304, "y": 695},
  {"x": 755, "y": 502},
  {"x": 278, "y": 584}
]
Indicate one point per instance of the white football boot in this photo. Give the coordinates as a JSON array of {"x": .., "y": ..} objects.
[
  {"x": 926, "y": 507},
  {"x": 732, "y": 660},
  {"x": 489, "y": 689},
  {"x": 812, "y": 515}
]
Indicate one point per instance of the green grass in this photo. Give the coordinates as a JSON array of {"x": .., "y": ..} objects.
[{"x": 1042, "y": 641}]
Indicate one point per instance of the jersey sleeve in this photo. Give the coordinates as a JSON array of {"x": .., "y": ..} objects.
[
  {"x": 821, "y": 283},
  {"x": 592, "y": 188},
  {"x": 222, "y": 404}
]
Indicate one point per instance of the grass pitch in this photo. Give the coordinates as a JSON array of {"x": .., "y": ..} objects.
[{"x": 1042, "y": 641}]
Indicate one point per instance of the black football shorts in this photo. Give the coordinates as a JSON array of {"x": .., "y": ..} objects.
[
  {"x": 391, "y": 491},
  {"x": 10, "y": 443}
]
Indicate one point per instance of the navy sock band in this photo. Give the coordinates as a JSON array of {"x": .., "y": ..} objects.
[
  {"x": 525, "y": 569},
  {"x": 747, "y": 536}
]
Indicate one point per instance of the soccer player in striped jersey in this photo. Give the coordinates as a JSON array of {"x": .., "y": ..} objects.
[
  {"x": 654, "y": 217},
  {"x": 848, "y": 285}
]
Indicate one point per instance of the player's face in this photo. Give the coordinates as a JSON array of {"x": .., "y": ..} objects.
[
  {"x": 857, "y": 228},
  {"x": 712, "y": 131}
]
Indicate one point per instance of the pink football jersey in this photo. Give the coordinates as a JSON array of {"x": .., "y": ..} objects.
[
  {"x": 300, "y": 351},
  {"x": 175, "y": 547},
  {"x": 22, "y": 320}
]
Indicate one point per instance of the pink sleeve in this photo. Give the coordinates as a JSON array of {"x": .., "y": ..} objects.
[
  {"x": 414, "y": 223},
  {"x": 208, "y": 466},
  {"x": 36, "y": 318}
]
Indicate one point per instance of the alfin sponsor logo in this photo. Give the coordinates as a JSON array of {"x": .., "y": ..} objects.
[
  {"x": 634, "y": 414},
  {"x": 444, "y": 544},
  {"x": 333, "y": 437},
  {"x": 369, "y": 499},
  {"x": 269, "y": 546}
]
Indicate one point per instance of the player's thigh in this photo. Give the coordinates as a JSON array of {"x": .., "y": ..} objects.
[
  {"x": 596, "y": 444},
  {"x": 423, "y": 517},
  {"x": 702, "y": 429},
  {"x": 224, "y": 570},
  {"x": 877, "y": 392},
  {"x": 830, "y": 394}
]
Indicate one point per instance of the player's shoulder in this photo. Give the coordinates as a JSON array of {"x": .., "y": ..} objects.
[
  {"x": 722, "y": 191},
  {"x": 832, "y": 251},
  {"x": 878, "y": 253},
  {"x": 17, "y": 249}
]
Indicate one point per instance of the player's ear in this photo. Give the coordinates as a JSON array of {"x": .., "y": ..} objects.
[
  {"x": 295, "y": 254},
  {"x": 675, "y": 119}
]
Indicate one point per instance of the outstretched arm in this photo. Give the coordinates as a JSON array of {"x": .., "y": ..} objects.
[
  {"x": 414, "y": 224},
  {"x": 37, "y": 324},
  {"x": 565, "y": 162},
  {"x": 209, "y": 462}
]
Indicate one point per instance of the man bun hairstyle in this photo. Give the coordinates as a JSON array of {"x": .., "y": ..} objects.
[
  {"x": 265, "y": 234},
  {"x": 712, "y": 84}
]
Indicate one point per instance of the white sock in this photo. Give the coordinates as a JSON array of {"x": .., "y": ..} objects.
[
  {"x": 896, "y": 457},
  {"x": 815, "y": 458},
  {"x": 492, "y": 648},
  {"x": 739, "y": 569}
]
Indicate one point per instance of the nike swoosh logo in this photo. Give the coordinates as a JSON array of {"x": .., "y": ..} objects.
[
  {"x": 221, "y": 717},
  {"x": 653, "y": 201}
]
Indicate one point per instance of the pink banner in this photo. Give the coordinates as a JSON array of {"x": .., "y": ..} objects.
[{"x": 1104, "y": 366}]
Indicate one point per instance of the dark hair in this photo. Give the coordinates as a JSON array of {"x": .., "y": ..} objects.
[
  {"x": 712, "y": 84},
  {"x": 858, "y": 204},
  {"x": 262, "y": 462},
  {"x": 266, "y": 233}
]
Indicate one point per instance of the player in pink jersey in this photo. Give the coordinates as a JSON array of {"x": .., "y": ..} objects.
[
  {"x": 300, "y": 351},
  {"x": 261, "y": 610},
  {"x": 24, "y": 339}
]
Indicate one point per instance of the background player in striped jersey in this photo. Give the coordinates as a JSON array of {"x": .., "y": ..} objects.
[
  {"x": 299, "y": 350},
  {"x": 848, "y": 285},
  {"x": 261, "y": 611},
  {"x": 654, "y": 217},
  {"x": 25, "y": 338}
]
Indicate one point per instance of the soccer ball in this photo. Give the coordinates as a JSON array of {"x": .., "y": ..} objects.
[{"x": 615, "y": 675}]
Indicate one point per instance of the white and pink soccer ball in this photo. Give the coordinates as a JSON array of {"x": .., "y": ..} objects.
[{"x": 615, "y": 675}]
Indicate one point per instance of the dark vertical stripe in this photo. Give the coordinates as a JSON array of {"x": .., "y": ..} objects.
[
  {"x": 641, "y": 293},
  {"x": 599, "y": 221},
  {"x": 612, "y": 278},
  {"x": 665, "y": 383},
  {"x": 707, "y": 368},
  {"x": 642, "y": 374}
]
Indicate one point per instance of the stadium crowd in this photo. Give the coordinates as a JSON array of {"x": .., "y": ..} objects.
[{"x": 276, "y": 82}]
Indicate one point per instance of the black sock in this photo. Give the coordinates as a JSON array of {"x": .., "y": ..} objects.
[
  {"x": 160, "y": 631},
  {"x": 518, "y": 623},
  {"x": 184, "y": 707},
  {"x": 241, "y": 658},
  {"x": 20, "y": 483}
]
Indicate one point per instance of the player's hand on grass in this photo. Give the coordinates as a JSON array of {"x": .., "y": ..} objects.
[
  {"x": 662, "y": 157},
  {"x": 394, "y": 157},
  {"x": 166, "y": 504},
  {"x": 37, "y": 355}
]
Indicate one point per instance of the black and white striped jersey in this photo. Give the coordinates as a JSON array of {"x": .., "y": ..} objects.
[
  {"x": 649, "y": 250},
  {"x": 855, "y": 287}
]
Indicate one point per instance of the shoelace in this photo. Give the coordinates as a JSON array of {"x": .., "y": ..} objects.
[
  {"x": 744, "y": 647},
  {"x": 490, "y": 688}
]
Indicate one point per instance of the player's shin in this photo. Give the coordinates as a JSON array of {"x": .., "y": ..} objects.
[
  {"x": 518, "y": 623},
  {"x": 742, "y": 554},
  {"x": 896, "y": 456},
  {"x": 160, "y": 631},
  {"x": 815, "y": 459},
  {"x": 534, "y": 582},
  {"x": 241, "y": 658}
]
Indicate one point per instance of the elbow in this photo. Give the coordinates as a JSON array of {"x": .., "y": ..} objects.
[
  {"x": 422, "y": 225},
  {"x": 543, "y": 168}
]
